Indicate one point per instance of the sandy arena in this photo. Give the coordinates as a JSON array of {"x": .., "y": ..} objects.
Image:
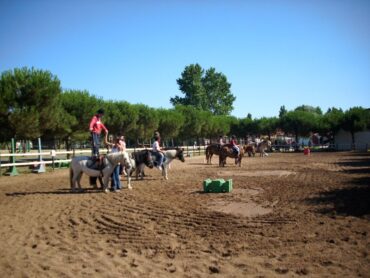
[{"x": 289, "y": 215}]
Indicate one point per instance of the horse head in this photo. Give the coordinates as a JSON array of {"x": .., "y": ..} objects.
[
  {"x": 148, "y": 159},
  {"x": 180, "y": 154}
]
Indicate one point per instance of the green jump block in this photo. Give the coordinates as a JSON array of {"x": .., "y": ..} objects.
[{"x": 217, "y": 186}]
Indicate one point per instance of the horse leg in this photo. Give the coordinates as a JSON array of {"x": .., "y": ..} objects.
[
  {"x": 73, "y": 182},
  {"x": 79, "y": 176},
  {"x": 106, "y": 182},
  {"x": 164, "y": 171},
  {"x": 138, "y": 171},
  {"x": 128, "y": 171},
  {"x": 222, "y": 161},
  {"x": 141, "y": 167}
]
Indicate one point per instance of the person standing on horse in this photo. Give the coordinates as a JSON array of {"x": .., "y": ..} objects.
[
  {"x": 96, "y": 126},
  {"x": 156, "y": 150}
]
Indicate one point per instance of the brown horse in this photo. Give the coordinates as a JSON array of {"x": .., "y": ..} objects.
[
  {"x": 228, "y": 151},
  {"x": 211, "y": 150},
  {"x": 250, "y": 149}
]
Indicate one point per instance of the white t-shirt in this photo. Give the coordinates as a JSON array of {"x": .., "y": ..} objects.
[
  {"x": 156, "y": 147},
  {"x": 123, "y": 145}
]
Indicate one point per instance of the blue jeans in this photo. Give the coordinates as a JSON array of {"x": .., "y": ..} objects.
[
  {"x": 159, "y": 157},
  {"x": 236, "y": 149},
  {"x": 95, "y": 144},
  {"x": 116, "y": 183}
]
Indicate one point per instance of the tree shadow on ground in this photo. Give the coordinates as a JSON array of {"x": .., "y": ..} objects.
[
  {"x": 352, "y": 201},
  {"x": 56, "y": 192},
  {"x": 354, "y": 198}
]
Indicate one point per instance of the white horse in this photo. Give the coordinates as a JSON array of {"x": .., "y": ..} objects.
[
  {"x": 170, "y": 155},
  {"x": 80, "y": 165},
  {"x": 263, "y": 146}
]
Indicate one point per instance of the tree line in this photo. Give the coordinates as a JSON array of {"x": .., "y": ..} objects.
[{"x": 33, "y": 104}]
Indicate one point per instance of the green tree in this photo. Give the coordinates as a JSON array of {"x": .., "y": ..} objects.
[
  {"x": 146, "y": 123},
  {"x": 282, "y": 111},
  {"x": 220, "y": 125},
  {"x": 219, "y": 99},
  {"x": 308, "y": 108},
  {"x": 191, "y": 85},
  {"x": 29, "y": 98},
  {"x": 209, "y": 91},
  {"x": 354, "y": 120},
  {"x": 331, "y": 122},
  {"x": 121, "y": 117},
  {"x": 81, "y": 106},
  {"x": 299, "y": 123},
  {"x": 242, "y": 127},
  {"x": 267, "y": 125},
  {"x": 171, "y": 122},
  {"x": 195, "y": 119}
]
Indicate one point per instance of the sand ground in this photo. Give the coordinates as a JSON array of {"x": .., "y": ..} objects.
[{"x": 288, "y": 215}]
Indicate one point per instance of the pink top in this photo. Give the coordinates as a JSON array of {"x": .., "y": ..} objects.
[
  {"x": 233, "y": 142},
  {"x": 96, "y": 125}
]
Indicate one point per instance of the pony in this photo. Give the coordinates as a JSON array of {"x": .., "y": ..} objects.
[
  {"x": 211, "y": 150},
  {"x": 263, "y": 146},
  {"x": 250, "y": 149},
  {"x": 142, "y": 158},
  {"x": 81, "y": 164},
  {"x": 170, "y": 155},
  {"x": 228, "y": 151}
]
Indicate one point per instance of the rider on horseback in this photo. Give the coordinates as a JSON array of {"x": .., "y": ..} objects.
[
  {"x": 234, "y": 145},
  {"x": 221, "y": 141},
  {"x": 156, "y": 150}
]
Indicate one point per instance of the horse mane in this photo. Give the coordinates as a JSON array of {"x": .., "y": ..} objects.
[{"x": 117, "y": 156}]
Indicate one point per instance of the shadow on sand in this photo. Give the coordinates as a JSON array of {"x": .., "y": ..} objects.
[
  {"x": 354, "y": 198},
  {"x": 57, "y": 192}
]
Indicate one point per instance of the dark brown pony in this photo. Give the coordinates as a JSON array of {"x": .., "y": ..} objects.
[
  {"x": 142, "y": 158},
  {"x": 211, "y": 150},
  {"x": 228, "y": 151}
]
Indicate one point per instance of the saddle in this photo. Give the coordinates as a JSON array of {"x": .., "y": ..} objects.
[{"x": 97, "y": 163}]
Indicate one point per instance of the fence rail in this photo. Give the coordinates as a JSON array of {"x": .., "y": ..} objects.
[
  {"x": 41, "y": 158},
  {"x": 52, "y": 157}
]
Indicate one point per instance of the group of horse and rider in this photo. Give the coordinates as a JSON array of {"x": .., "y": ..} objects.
[
  {"x": 118, "y": 161},
  {"x": 233, "y": 150}
]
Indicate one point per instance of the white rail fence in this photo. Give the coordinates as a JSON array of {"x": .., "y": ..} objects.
[{"x": 57, "y": 158}]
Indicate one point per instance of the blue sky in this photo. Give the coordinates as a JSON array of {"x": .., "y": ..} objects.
[{"x": 273, "y": 53}]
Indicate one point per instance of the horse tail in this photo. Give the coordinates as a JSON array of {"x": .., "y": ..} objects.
[
  {"x": 207, "y": 155},
  {"x": 70, "y": 175}
]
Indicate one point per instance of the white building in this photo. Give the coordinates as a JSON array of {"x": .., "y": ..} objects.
[{"x": 343, "y": 140}]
